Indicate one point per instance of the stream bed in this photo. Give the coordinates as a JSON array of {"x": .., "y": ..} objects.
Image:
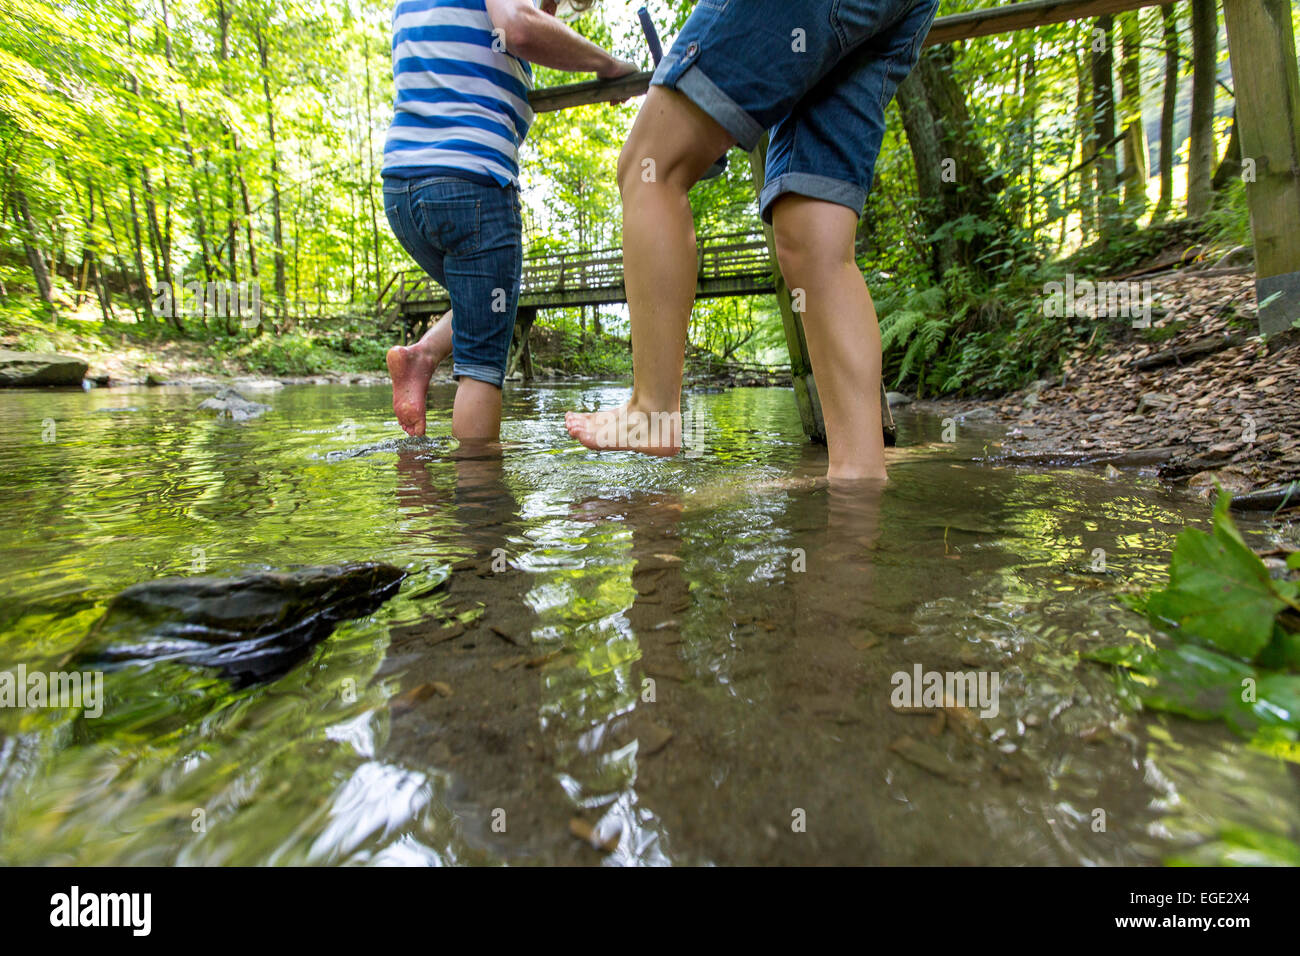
[{"x": 597, "y": 659}]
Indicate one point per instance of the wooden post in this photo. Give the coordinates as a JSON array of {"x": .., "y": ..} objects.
[
  {"x": 805, "y": 389},
  {"x": 1262, "y": 51},
  {"x": 519, "y": 349},
  {"x": 801, "y": 371}
]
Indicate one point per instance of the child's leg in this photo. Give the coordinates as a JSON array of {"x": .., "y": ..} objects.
[
  {"x": 484, "y": 269},
  {"x": 411, "y": 367},
  {"x": 814, "y": 243},
  {"x": 671, "y": 145},
  {"x": 476, "y": 416}
]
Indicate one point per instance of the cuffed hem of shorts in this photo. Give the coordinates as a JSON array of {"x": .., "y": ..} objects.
[
  {"x": 837, "y": 191},
  {"x": 705, "y": 94},
  {"x": 480, "y": 373}
]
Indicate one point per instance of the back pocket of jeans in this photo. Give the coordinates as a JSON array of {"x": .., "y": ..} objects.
[{"x": 452, "y": 226}]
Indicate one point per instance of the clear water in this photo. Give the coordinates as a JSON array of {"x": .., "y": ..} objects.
[{"x": 695, "y": 657}]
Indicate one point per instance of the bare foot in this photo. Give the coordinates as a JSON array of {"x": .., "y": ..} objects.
[
  {"x": 410, "y": 368},
  {"x": 627, "y": 429}
]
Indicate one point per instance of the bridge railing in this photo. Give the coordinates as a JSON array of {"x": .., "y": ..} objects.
[{"x": 730, "y": 255}]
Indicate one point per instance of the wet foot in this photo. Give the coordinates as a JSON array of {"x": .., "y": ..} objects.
[
  {"x": 410, "y": 368},
  {"x": 627, "y": 429}
]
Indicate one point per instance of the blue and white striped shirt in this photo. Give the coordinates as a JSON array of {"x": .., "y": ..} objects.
[{"x": 462, "y": 100}]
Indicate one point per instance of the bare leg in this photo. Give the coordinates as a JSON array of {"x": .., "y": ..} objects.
[
  {"x": 671, "y": 145},
  {"x": 476, "y": 416},
  {"x": 814, "y": 242},
  {"x": 411, "y": 368}
]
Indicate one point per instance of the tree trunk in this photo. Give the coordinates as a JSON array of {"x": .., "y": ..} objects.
[
  {"x": 277, "y": 233},
  {"x": 200, "y": 221},
  {"x": 1135, "y": 138},
  {"x": 1087, "y": 148},
  {"x": 953, "y": 174},
  {"x": 1205, "y": 65},
  {"x": 370, "y": 169},
  {"x": 228, "y": 162},
  {"x": 1168, "y": 110},
  {"x": 1103, "y": 128},
  {"x": 31, "y": 246},
  {"x": 117, "y": 253},
  {"x": 137, "y": 244}
]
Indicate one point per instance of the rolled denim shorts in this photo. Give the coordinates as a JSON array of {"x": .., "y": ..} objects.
[
  {"x": 469, "y": 238},
  {"x": 817, "y": 74}
]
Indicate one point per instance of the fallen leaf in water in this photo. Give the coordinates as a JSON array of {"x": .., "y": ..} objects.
[
  {"x": 928, "y": 757},
  {"x": 670, "y": 558},
  {"x": 449, "y": 633},
  {"x": 507, "y": 663},
  {"x": 504, "y": 635},
  {"x": 545, "y": 658},
  {"x": 414, "y": 696}
]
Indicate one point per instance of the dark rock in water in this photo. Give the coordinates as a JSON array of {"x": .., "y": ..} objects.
[
  {"x": 253, "y": 628},
  {"x": 21, "y": 369},
  {"x": 1269, "y": 499},
  {"x": 228, "y": 403}
]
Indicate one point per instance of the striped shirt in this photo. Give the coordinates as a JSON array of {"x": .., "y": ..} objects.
[{"x": 462, "y": 101}]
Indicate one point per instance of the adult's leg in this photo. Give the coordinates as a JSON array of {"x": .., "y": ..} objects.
[
  {"x": 411, "y": 367},
  {"x": 672, "y": 144},
  {"x": 814, "y": 243}
]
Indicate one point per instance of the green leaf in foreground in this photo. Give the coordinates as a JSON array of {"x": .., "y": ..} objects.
[
  {"x": 1220, "y": 593},
  {"x": 1242, "y": 846},
  {"x": 1203, "y": 684},
  {"x": 1238, "y": 650}
]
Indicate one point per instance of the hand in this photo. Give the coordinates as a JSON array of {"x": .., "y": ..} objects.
[{"x": 617, "y": 68}]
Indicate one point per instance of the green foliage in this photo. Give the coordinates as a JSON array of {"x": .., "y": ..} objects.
[
  {"x": 1228, "y": 223},
  {"x": 1236, "y": 648},
  {"x": 144, "y": 143},
  {"x": 574, "y": 353},
  {"x": 1242, "y": 846},
  {"x": 967, "y": 337}
]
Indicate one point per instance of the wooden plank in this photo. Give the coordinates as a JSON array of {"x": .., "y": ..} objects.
[
  {"x": 592, "y": 91},
  {"x": 1013, "y": 17},
  {"x": 1007, "y": 18},
  {"x": 1262, "y": 51}
]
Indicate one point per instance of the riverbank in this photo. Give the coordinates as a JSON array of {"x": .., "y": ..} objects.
[
  {"x": 126, "y": 354},
  {"x": 1200, "y": 397}
]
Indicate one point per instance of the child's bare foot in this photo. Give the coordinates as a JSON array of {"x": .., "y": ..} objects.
[
  {"x": 627, "y": 429},
  {"x": 411, "y": 368}
]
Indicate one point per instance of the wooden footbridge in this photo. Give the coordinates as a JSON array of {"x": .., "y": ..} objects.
[{"x": 728, "y": 265}]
